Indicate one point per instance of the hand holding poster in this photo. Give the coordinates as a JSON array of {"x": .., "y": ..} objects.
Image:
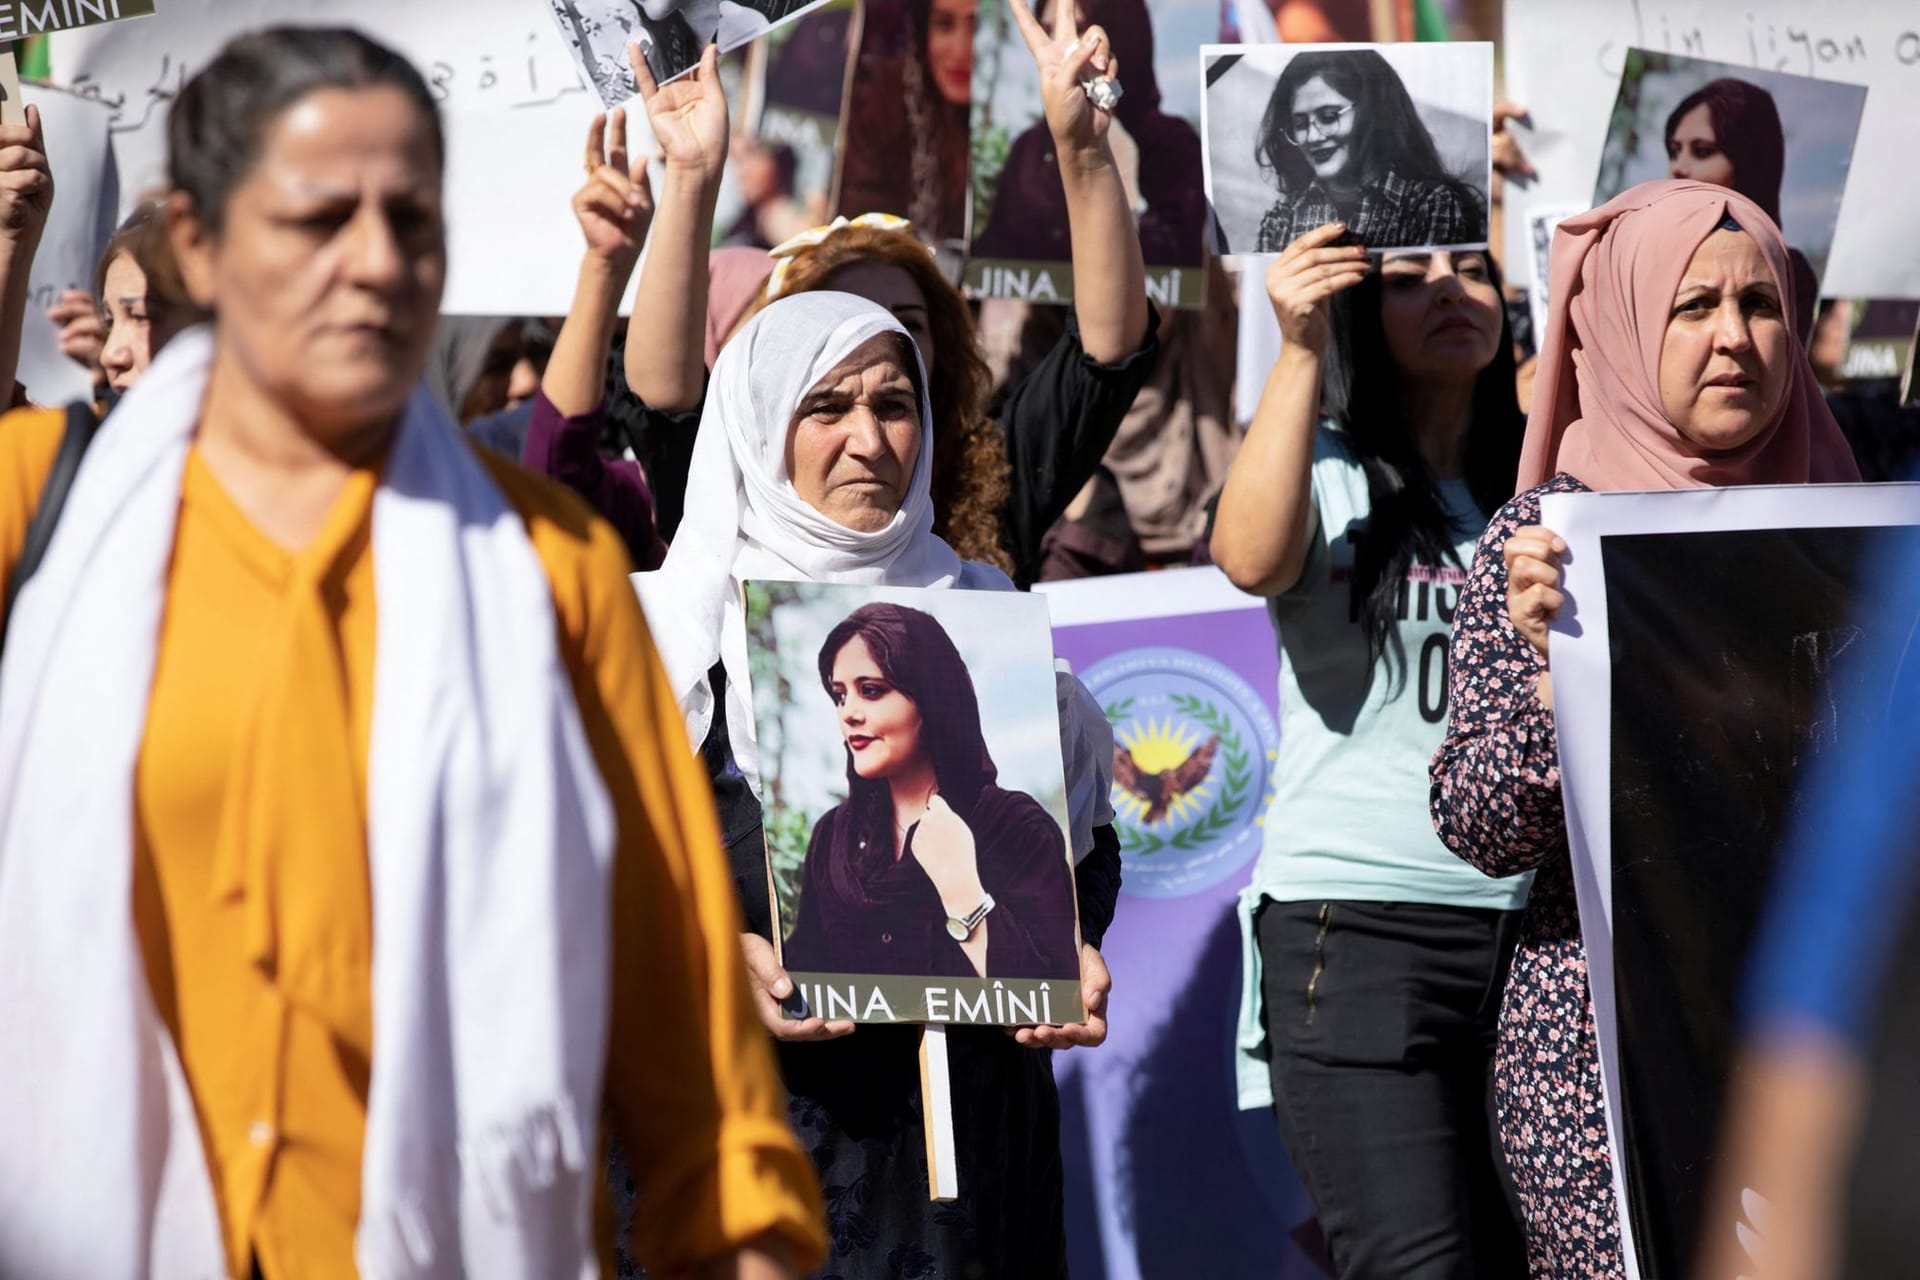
[
  {"x": 1394, "y": 140},
  {"x": 915, "y": 803},
  {"x": 1693, "y": 683},
  {"x": 1783, "y": 141},
  {"x": 1563, "y": 59},
  {"x": 1021, "y": 247}
]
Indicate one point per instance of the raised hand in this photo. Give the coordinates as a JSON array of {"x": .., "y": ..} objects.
[
  {"x": 26, "y": 182},
  {"x": 1066, "y": 56},
  {"x": 615, "y": 206},
  {"x": 1305, "y": 275},
  {"x": 1534, "y": 598},
  {"x": 689, "y": 116},
  {"x": 1095, "y": 983},
  {"x": 943, "y": 845}
]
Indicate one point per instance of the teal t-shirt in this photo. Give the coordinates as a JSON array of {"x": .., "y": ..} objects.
[{"x": 1349, "y": 818}]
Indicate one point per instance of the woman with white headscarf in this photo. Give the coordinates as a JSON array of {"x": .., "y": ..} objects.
[{"x": 813, "y": 463}]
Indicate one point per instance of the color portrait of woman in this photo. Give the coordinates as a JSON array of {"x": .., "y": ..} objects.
[
  {"x": 928, "y": 867},
  {"x": 1344, "y": 143},
  {"x": 1728, "y": 132},
  {"x": 906, "y": 130}
]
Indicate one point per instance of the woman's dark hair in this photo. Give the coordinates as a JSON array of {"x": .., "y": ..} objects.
[
  {"x": 222, "y": 116},
  {"x": 1746, "y": 126},
  {"x": 917, "y": 657},
  {"x": 1388, "y": 134},
  {"x": 1406, "y": 523}
]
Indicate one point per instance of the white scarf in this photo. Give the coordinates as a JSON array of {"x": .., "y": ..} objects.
[
  {"x": 489, "y": 846},
  {"x": 745, "y": 522}
]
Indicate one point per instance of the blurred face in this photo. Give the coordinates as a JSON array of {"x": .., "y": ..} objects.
[
  {"x": 886, "y": 285},
  {"x": 1321, "y": 126},
  {"x": 880, "y": 724},
  {"x": 1724, "y": 363},
  {"x": 129, "y": 321},
  {"x": 1440, "y": 312},
  {"x": 754, "y": 171},
  {"x": 950, "y": 48},
  {"x": 1694, "y": 152},
  {"x": 326, "y": 277},
  {"x": 855, "y": 437}
]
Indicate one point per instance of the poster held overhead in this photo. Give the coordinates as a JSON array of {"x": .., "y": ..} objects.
[
  {"x": 1393, "y": 140},
  {"x": 1679, "y": 761},
  {"x": 1784, "y": 142},
  {"x": 671, "y": 33},
  {"x": 904, "y": 142},
  {"x": 1020, "y": 245}
]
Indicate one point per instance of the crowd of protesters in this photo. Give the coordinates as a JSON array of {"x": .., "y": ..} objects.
[{"x": 339, "y": 752}]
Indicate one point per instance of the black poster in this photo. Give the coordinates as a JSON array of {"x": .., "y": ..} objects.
[{"x": 1729, "y": 666}]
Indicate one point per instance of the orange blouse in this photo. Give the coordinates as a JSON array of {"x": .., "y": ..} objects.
[{"x": 281, "y": 1091}]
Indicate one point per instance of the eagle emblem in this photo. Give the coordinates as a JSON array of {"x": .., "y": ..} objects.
[{"x": 1159, "y": 790}]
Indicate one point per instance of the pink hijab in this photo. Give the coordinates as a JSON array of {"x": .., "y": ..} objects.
[
  {"x": 1596, "y": 400},
  {"x": 735, "y": 278}
]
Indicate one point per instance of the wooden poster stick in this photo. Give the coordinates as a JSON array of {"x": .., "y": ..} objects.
[
  {"x": 13, "y": 108},
  {"x": 936, "y": 1104}
]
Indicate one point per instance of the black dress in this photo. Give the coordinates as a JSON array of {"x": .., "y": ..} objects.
[{"x": 855, "y": 1104}]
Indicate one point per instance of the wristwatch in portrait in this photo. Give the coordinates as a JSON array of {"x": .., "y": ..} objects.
[{"x": 960, "y": 928}]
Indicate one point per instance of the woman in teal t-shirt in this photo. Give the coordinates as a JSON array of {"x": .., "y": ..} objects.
[{"x": 1375, "y": 957}]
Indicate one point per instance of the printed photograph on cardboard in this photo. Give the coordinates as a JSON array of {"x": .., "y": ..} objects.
[
  {"x": 1394, "y": 140},
  {"x": 915, "y": 803},
  {"x": 906, "y": 144},
  {"x": 673, "y": 33},
  {"x": 779, "y": 175},
  {"x": 1784, "y": 142},
  {"x": 1020, "y": 246}
]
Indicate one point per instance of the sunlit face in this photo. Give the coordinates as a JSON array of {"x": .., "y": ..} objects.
[
  {"x": 124, "y": 310},
  {"x": 886, "y": 285},
  {"x": 1322, "y": 127},
  {"x": 880, "y": 725},
  {"x": 1724, "y": 362},
  {"x": 326, "y": 276},
  {"x": 1440, "y": 312},
  {"x": 1694, "y": 152},
  {"x": 950, "y": 29},
  {"x": 854, "y": 439}
]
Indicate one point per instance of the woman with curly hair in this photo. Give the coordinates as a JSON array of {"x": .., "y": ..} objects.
[{"x": 1005, "y": 472}]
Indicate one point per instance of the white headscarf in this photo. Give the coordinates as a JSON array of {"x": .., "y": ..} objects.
[{"x": 744, "y": 520}]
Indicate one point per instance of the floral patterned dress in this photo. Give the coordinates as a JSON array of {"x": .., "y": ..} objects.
[{"x": 1496, "y": 803}]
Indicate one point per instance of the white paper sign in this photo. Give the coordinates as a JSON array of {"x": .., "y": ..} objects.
[
  {"x": 1563, "y": 59},
  {"x": 1580, "y": 656},
  {"x": 80, "y": 154},
  {"x": 514, "y": 105}
]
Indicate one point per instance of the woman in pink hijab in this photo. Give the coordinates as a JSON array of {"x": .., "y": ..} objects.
[{"x": 1669, "y": 362}]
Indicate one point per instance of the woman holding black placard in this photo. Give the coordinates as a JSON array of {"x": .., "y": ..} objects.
[{"x": 1668, "y": 362}]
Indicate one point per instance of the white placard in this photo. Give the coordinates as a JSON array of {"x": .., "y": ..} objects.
[
  {"x": 80, "y": 153},
  {"x": 514, "y": 105},
  {"x": 1580, "y": 657},
  {"x": 1563, "y": 59}
]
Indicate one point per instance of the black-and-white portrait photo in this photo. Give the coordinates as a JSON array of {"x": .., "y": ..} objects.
[
  {"x": 1393, "y": 140},
  {"x": 672, "y": 33}
]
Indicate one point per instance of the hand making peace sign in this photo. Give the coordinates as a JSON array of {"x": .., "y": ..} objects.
[
  {"x": 688, "y": 116},
  {"x": 1066, "y": 57}
]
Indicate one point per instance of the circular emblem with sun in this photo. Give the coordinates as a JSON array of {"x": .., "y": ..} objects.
[{"x": 1193, "y": 752}]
